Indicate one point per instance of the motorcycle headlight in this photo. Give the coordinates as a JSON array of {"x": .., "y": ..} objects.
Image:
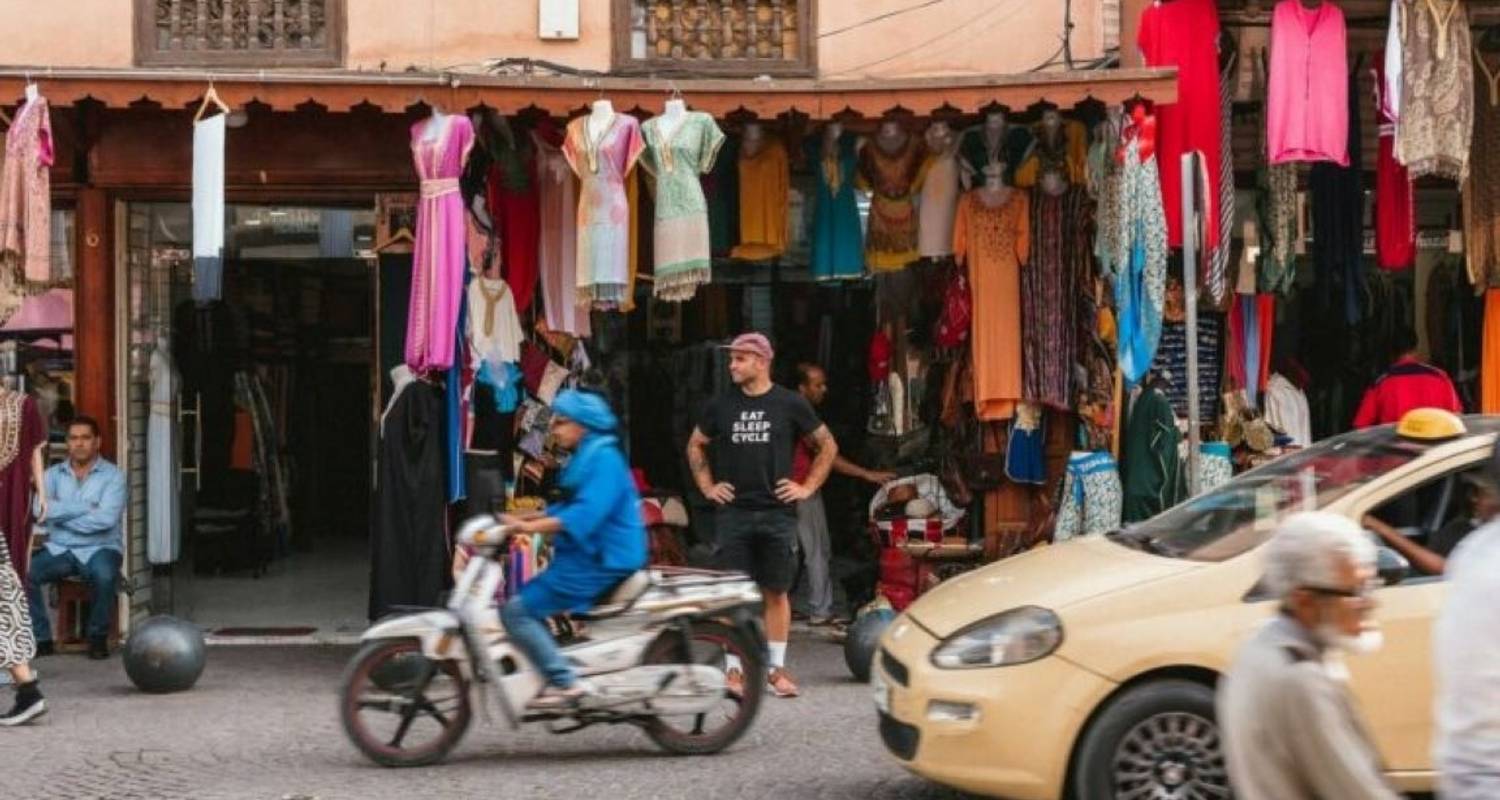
[{"x": 1013, "y": 637}]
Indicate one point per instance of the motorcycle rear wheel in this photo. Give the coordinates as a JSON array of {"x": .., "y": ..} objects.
[
  {"x": 711, "y": 642},
  {"x": 393, "y": 676}
]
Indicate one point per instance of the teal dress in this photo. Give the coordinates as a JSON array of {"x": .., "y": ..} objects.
[{"x": 838, "y": 243}]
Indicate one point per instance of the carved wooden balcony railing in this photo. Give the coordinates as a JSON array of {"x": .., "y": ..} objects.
[
  {"x": 714, "y": 37},
  {"x": 241, "y": 33}
]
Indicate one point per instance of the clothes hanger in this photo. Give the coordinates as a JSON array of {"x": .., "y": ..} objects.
[
  {"x": 210, "y": 96},
  {"x": 402, "y": 236}
]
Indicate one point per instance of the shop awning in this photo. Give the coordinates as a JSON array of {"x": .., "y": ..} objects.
[{"x": 561, "y": 95}]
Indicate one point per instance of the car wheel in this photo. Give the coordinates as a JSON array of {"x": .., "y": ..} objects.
[{"x": 1157, "y": 740}]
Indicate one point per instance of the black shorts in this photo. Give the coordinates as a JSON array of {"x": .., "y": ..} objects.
[{"x": 761, "y": 543}]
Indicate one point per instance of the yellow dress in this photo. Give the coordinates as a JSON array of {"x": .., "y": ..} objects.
[
  {"x": 1070, "y": 154},
  {"x": 994, "y": 243},
  {"x": 765, "y": 185}
]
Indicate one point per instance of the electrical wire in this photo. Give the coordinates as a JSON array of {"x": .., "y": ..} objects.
[
  {"x": 877, "y": 18},
  {"x": 967, "y": 27}
]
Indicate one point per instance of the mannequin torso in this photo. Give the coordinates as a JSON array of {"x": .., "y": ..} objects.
[{"x": 601, "y": 116}]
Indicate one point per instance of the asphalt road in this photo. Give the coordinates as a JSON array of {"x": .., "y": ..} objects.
[{"x": 262, "y": 723}]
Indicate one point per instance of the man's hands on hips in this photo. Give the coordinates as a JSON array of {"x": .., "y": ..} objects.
[
  {"x": 720, "y": 494},
  {"x": 789, "y": 491}
]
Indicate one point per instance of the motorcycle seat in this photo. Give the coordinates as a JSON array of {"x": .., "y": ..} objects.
[{"x": 622, "y": 597}]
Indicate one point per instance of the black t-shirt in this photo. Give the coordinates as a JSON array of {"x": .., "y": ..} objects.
[{"x": 753, "y": 438}]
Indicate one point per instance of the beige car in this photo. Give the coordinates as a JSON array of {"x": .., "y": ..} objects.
[{"x": 1087, "y": 669}]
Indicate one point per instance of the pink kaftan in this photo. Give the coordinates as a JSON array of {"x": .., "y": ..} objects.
[
  {"x": 1307, "y": 102},
  {"x": 437, "y": 278},
  {"x": 557, "y": 250},
  {"x": 26, "y": 193}
]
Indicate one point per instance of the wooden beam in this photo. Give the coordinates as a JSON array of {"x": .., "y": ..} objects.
[
  {"x": 1130, "y": 26},
  {"x": 94, "y": 315}
]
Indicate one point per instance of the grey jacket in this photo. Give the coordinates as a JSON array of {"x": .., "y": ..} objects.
[{"x": 1289, "y": 726}]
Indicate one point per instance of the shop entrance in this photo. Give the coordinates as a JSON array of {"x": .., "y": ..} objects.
[{"x": 271, "y": 420}]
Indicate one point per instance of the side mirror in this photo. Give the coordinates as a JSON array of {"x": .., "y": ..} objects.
[{"x": 1391, "y": 566}]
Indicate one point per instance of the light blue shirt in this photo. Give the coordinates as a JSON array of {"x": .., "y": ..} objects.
[{"x": 83, "y": 517}]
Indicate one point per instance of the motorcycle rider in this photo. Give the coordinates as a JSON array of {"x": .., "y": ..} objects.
[{"x": 598, "y": 540}]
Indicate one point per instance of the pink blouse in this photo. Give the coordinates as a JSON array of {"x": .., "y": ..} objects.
[{"x": 1307, "y": 116}]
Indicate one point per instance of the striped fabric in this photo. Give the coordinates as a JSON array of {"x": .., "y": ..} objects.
[
  {"x": 1171, "y": 364},
  {"x": 1216, "y": 282}
]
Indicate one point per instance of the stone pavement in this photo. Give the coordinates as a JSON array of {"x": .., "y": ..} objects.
[{"x": 263, "y": 723}]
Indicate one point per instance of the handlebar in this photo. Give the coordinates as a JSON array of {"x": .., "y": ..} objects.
[{"x": 484, "y": 530}]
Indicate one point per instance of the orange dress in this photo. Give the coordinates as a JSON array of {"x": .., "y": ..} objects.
[{"x": 994, "y": 243}]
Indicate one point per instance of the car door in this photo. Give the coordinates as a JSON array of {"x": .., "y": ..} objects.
[{"x": 1394, "y": 686}]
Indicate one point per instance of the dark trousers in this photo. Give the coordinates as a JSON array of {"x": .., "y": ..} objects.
[{"x": 102, "y": 574}]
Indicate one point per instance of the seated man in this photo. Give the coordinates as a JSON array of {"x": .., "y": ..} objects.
[
  {"x": 598, "y": 540},
  {"x": 1433, "y": 559},
  {"x": 82, "y": 512}
]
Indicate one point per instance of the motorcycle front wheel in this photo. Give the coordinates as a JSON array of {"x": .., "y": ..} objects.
[
  {"x": 710, "y": 732},
  {"x": 400, "y": 708}
]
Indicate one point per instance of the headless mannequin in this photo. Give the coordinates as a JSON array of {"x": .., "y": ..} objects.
[
  {"x": 831, "y": 135},
  {"x": 601, "y": 116},
  {"x": 753, "y": 140},
  {"x": 672, "y": 115},
  {"x": 1052, "y": 127},
  {"x": 995, "y": 127},
  {"x": 436, "y": 126},
  {"x": 994, "y": 192}
]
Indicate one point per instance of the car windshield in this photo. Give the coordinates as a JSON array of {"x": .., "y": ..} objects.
[{"x": 1241, "y": 514}]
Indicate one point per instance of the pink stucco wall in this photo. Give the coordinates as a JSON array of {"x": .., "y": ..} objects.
[{"x": 952, "y": 37}]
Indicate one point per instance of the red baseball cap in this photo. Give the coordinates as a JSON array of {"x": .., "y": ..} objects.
[{"x": 753, "y": 343}]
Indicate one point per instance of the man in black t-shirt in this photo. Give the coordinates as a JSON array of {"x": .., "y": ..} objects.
[{"x": 754, "y": 429}]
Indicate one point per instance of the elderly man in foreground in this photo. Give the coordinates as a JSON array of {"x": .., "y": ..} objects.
[{"x": 1290, "y": 728}]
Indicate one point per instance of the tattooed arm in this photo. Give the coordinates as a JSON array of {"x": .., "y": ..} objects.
[{"x": 697, "y": 458}]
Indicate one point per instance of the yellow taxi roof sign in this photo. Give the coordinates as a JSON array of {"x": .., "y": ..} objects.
[{"x": 1430, "y": 424}]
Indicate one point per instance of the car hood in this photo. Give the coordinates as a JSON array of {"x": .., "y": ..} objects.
[{"x": 1053, "y": 577}]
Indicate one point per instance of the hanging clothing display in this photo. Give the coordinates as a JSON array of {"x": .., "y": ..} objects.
[
  {"x": 1105, "y": 171},
  {"x": 1388, "y": 92},
  {"x": 890, "y": 178},
  {"x": 457, "y": 396},
  {"x": 440, "y": 145},
  {"x": 938, "y": 187},
  {"x": 1395, "y": 219},
  {"x": 26, "y": 196},
  {"x": 1049, "y": 293},
  {"x": 1489, "y": 369},
  {"x": 838, "y": 249},
  {"x": 1063, "y": 149},
  {"x": 1171, "y": 365},
  {"x": 409, "y": 547},
  {"x": 679, "y": 148},
  {"x": 514, "y": 203},
  {"x": 208, "y": 209},
  {"x": 1455, "y": 321},
  {"x": 1216, "y": 281},
  {"x": 765, "y": 185},
  {"x": 494, "y": 328},
  {"x": 1308, "y": 85},
  {"x": 1185, "y": 34},
  {"x": 1091, "y": 503},
  {"x": 1026, "y": 447},
  {"x": 721, "y": 191},
  {"x": 1141, "y": 253},
  {"x": 1214, "y": 466},
  {"x": 22, "y": 431},
  {"x": 1247, "y": 351},
  {"x": 557, "y": 250},
  {"x": 1481, "y": 192},
  {"x": 1151, "y": 468},
  {"x": 993, "y": 243},
  {"x": 1436, "y": 110},
  {"x": 977, "y": 150},
  {"x": 602, "y": 163},
  {"x": 163, "y": 460},
  {"x": 1287, "y": 410},
  {"x": 1338, "y": 218}
]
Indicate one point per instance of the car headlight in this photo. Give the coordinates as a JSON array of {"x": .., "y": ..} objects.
[{"x": 1013, "y": 637}]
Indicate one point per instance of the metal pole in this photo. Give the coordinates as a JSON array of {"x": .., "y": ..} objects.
[{"x": 1190, "y": 229}]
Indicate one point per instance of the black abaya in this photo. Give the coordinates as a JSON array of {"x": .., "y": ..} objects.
[{"x": 409, "y": 550}]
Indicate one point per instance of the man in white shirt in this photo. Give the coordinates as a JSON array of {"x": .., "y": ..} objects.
[{"x": 1466, "y": 648}]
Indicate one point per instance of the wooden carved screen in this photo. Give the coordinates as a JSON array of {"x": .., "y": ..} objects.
[
  {"x": 259, "y": 33},
  {"x": 714, "y": 37}
]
